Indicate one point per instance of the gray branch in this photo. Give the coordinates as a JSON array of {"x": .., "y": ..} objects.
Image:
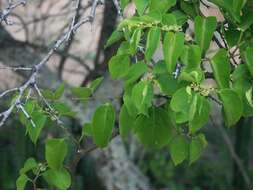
[{"x": 31, "y": 81}]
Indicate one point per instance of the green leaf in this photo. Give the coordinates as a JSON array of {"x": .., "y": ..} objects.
[
  {"x": 81, "y": 93},
  {"x": 135, "y": 40},
  {"x": 191, "y": 57},
  {"x": 152, "y": 17},
  {"x": 153, "y": 40},
  {"x": 54, "y": 95},
  {"x": 63, "y": 109},
  {"x": 160, "y": 68},
  {"x": 115, "y": 37},
  {"x": 232, "y": 35},
  {"x": 180, "y": 17},
  {"x": 181, "y": 101},
  {"x": 238, "y": 5},
  {"x": 172, "y": 49},
  {"x": 39, "y": 120},
  {"x": 61, "y": 179},
  {"x": 191, "y": 8},
  {"x": 162, "y": 5},
  {"x": 221, "y": 69},
  {"x": 179, "y": 149},
  {"x": 232, "y": 111},
  {"x": 30, "y": 164},
  {"x": 21, "y": 182},
  {"x": 135, "y": 72},
  {"x": 248, "y": 95},
  {"x": 204, "y": 29},
  {"x": 142, "y": 96},
  {"x": 247, "y": 20},
  {"x": 56, "y": 151},
  {"x": 167, "y": 83},
  {"x": 126, "y": 122},
  {"x": 199, "y": 113},
  {"x": 248, "y": 57},
  {"x": 156, "y": 130},
  {"x": 197, "y": 146},
  {"x": 103, "y": 123},
  {"x": 123, "y": 3},
  {"x": 118, "y": 66},
  {"x": 124, "y": 49},
  {"x": 95, "y": 84},
  {"x": 59, "y": 91},
  {"x": 141, "y": 5},
  {"x": 194, "y": 76},
  {"x": 169, "y": 19},
  {"x": 87, "y": 130},
  {"x": 242, "y": 83}
]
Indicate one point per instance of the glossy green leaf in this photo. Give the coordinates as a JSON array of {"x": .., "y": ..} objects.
[
  {"x": 141, "y": 5},
  {"x": 56, "y": 151},
  {"x": 194, "y": 76},
  {"x": 118, "y": 66},
  {"x": 221, "y": 69},
  {"x": 59, "y": 91},
  {"x": 81, "y": 93},
  {"x": 232, "y": 111},
  {"x": 199, "y": 113},
  {"x": 167, "y": 83},
  {"x": 142, "y": 96},
  {"x": 153, "y": 41},
  {"x": 191, "y": 8},
  {"x": 242, "y": 83},
  {"x": 39, "y": 120},
  {"x": 180, "y": 17},
  {"x": 124, "y": 49},
  {"x": 63, "y": 109},
  {"x": 135, "y": 72},
  {"x": 162, "y": 5},
  {"x": 155, "y": 130},
  {"x": 21, "y": 182},
  {"x": 197, "y": 146},
  {"x": 172, "y": 49},
  {"x": 135, "y": 40},
  {"x": 181, "y": 101},
  {"x": 204, "y": 29},
  {"x": 191, "y": 57},
  {"x": 160, "y": 68},
  {"x": 126, "y": 122},
  {"x": 232, "y": 36},
  {"x": 128, "y": 101},
  {"x": 238, "y": 5},
  {"x": 246, "y": 20},
  {"x": 152, "y": 17},
  {"x": 249, "y": 98},
  {"x": 179, "y": 149},
  {"x": 87, "y": 130},
  {"x": 103, "y": 122},
  {"x": 96, "y": 83},
  {"x": 169, "y": 19},
  {"x": 115, "y": 37},
  {"x": 248, "y": 56},
  {"x": 58, "y": 178},
  {"x": 30, "y": 164}
]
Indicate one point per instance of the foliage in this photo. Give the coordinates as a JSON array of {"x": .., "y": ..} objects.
[{"x": 166, "y": 102}]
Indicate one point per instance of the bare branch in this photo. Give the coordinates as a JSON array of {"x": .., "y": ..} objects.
[
  {"x": 8, "y": 10},
  {"x": 31, "y": 81}
]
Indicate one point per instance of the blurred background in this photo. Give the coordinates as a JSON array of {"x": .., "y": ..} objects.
[{"x": 227, "y": 162}]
